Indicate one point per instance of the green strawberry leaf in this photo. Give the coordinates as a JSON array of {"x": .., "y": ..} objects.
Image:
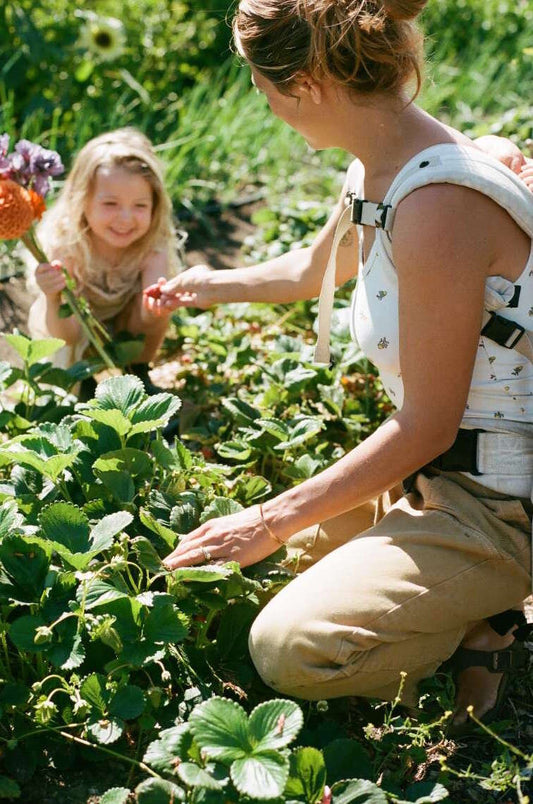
[
  {"x": 274, "y": 724},
  {"x": 123, "y": 393},
  {"x": 220, "y": 727},
  {"x": 357, "y": 791},
  {"x": 262, "y": 775},
  {"x": 158, "y": 791},
  {"x": 307, "y": 775}
]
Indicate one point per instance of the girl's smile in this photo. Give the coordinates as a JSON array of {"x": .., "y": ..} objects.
[{"x": 119, "y": 210}]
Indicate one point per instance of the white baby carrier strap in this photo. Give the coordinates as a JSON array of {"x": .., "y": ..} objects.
[{"x": 441, "y": 164}]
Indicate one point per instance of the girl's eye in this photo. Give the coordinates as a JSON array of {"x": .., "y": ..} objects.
[{"x": 109, "y": 204}]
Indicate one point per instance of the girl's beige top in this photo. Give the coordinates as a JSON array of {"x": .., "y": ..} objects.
[{"x": 108, "y": 288}]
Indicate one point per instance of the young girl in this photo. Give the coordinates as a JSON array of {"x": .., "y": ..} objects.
[
  {"x": 448, "y": 553},
  {"x": 111, "y": 228}
]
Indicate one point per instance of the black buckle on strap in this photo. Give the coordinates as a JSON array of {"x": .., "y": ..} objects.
[
  {"x": 502, "y": 331},
  {"x": 508, "y": 659},
  {"x": 357, "y": 209},
  {"x": 462, "y": 455},
  {"x": 384, "y": 209},
  {"x": 498, "y": 661}
]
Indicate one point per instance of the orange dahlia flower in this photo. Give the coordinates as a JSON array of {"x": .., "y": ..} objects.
[{"x": 17, "y": 209}]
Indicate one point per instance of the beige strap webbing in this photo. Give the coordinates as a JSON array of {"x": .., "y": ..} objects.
[{"x": 327, "y": 291}]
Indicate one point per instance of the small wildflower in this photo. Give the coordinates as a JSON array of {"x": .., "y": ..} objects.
[{"x": 104, "y": 37}]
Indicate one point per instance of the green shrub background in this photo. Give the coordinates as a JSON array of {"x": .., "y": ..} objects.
[{"x": 179, "y": 82}]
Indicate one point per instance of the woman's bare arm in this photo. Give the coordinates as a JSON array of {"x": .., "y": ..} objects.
[{"x": 291, "y": 277}]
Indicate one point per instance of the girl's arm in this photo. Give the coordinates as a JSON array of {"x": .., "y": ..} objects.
[
  {"x": 447, "y": 240},
  {"x": 50, "y": 280},
  {"x": 293, "y": 276}
]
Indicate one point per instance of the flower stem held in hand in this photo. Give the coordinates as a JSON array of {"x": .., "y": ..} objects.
[{"x": 93, "y": 330}]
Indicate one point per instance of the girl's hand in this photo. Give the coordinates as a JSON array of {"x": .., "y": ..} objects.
[
  {"x": 238, "y": 537},
  {"x": 153, "y": 302},
  {"x": 49, "y": 278}
]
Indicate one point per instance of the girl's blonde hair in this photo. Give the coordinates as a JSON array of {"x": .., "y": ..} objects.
[
  {"x": 364, "y": 45},
  {"x": 65, "y": 228}
]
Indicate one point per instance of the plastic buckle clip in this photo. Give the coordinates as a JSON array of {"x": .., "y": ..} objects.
[
  {"x": 507, "y": 659},
  {"x": 502, "y": 331},
  {"x": 357, "y": 210},
  {"x": 382, "y": 221}
]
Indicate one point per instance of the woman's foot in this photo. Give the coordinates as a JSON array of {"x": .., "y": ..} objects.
[
  {"x": 478, "y": 686},
  {"x": 483, "y": 663}
]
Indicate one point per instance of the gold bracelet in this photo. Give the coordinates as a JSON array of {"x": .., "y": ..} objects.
[{"x": 268, "y": 530}]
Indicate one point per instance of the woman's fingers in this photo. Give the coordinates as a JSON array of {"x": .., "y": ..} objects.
[
  {"x": 238, "y": 537},
  {"x": 196, "y": 548}
]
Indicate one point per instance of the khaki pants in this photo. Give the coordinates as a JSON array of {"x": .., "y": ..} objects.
[{"x": 410, "y": 576}]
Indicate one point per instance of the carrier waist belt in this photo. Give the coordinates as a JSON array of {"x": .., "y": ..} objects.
[{"x": 479, "y": 452}]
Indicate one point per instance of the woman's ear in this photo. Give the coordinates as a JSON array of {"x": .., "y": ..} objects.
[{"x": 310, "y": 87}]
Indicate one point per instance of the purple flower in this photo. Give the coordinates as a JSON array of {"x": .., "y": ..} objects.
[
  {"x": 25, "y": 148},
  {"x": 5, "y": 167},
  {"x": 47, "y": 162},
  {"x": 33, "y": 166},
  {"x": 41, "y": 185}
]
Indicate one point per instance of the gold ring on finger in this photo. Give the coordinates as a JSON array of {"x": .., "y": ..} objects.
[{"x": 206, "y": 554}]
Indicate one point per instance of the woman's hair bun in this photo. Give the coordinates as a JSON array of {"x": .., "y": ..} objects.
[{"x": 403, "y": 9}]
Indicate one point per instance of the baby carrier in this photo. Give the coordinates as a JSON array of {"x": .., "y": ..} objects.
[{"x": 451, "y": 164}]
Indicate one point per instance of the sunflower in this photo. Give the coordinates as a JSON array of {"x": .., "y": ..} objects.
[{"x": 104, "y": 37}]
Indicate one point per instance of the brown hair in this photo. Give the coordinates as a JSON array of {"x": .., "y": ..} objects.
[{"x": 364, "y": 45}]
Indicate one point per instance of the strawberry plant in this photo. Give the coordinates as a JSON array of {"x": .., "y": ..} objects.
[{"x": 99, "y": 641}]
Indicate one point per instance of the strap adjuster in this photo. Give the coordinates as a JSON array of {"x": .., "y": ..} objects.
[
  {"x": 368, "y": 213},
  {"x": 508, "y": 659},
  {"x": 504, "y": 332},
  {"x": 357, "y": 209}
]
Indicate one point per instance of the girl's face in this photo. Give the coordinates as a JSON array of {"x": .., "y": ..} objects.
[{"x": 119, "y": 209}]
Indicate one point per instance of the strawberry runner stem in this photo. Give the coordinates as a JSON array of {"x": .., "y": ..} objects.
[{"x": 93, "y": 330}]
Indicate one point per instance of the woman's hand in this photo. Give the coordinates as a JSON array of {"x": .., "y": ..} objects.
[
  {"x": 188, "y": 289},
  {"x": 240, "y": 537},
  {"x": 49, "y": 278}
]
